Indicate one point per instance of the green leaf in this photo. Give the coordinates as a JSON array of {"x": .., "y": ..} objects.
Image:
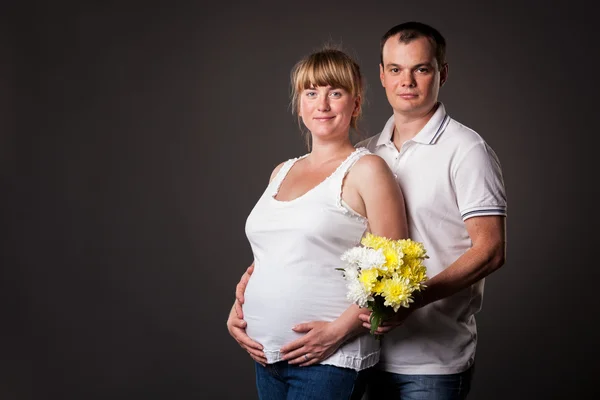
[{"x": 375, "y": 320}]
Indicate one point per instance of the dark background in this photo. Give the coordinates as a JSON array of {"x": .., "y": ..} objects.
[{"x": 135, "y": 139}]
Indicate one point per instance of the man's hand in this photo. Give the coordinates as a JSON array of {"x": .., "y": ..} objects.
[
  {"x": 240, "y": 288},
  {"x": 237, "y": 329},
  {"x": 389, "y": 323},
  {"x": 321, "y": 340}
]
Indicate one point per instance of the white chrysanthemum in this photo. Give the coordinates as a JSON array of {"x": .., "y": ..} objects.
[
  {"x": 364, "y": 258},
  {"x": 357, "y": 293},
  {"x": 351, "y": 273}
]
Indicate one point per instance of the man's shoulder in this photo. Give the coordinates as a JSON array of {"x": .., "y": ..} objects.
[
  {"x": 462, "y": 133},
  {"x": 467, "y": 144},
  {"x": 369, "y": 142}
]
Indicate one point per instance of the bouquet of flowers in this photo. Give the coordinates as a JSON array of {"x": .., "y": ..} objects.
[{"x": 382, "y": 274}]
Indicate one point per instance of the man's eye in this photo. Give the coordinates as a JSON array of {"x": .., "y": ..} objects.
[
  {"x": 394, "y": 70},
  {"x": 423, "y": 70},
  {"x": 336, "y": 94}
]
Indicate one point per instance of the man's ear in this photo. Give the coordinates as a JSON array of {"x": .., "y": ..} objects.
[{"x": 443, "y": 74}]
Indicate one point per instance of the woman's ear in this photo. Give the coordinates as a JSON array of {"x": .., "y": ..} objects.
[{"x": 357, "y": 105}]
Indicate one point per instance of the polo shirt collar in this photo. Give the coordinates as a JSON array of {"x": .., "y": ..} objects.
[{"x": 429, "y": 134}]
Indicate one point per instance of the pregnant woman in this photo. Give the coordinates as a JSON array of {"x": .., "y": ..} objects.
[{"x": 315, "y": 207}]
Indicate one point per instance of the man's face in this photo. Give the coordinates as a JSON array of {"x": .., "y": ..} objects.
[{"x": 411, "y": 76}]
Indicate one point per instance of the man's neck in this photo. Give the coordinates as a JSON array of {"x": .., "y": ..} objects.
[{"x": 407, "y": 127}]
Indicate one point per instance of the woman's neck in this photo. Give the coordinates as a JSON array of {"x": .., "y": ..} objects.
[{"x": 323, "y": 151}]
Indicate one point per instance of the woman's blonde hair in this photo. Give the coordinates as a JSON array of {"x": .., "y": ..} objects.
[{"x": 327, "y": 67}]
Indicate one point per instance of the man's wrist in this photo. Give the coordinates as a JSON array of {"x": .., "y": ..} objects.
[{"x": 419, "y": 299}]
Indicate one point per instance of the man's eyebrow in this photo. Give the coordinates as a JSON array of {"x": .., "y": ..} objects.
[{"x": 425, "y": 64}]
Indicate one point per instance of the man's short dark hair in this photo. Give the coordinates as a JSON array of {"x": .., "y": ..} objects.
[{"x": 412, "y": 30}]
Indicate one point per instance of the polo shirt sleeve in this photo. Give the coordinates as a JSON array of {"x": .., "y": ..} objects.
[{"x": 478, "y": 183}]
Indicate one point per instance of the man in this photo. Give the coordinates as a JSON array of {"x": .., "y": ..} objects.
[{"x": 456, "y": 205}]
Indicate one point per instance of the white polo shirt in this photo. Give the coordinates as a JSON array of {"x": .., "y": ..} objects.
[{"x": 447, "y": 174}]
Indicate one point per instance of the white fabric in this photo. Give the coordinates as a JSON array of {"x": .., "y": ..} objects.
[
  {"x": 297, "y": 246},
  {"x": 447, "y": 174}
]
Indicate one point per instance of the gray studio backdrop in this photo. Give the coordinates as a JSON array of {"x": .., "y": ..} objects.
[{"x": 137, "y": 140}]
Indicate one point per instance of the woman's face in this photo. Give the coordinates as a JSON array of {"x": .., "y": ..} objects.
[{"x": 327, "y": 112}]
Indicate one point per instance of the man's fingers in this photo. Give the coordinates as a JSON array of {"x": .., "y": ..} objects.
[
  {"x": 238, "y": 323},
  {"x": 260, "y": 360},
  {"x": 381, "y": 331},
  {"x": 240, "y": 288},
  {"x": 364, "y": 317},
  {"x": 243, "y": 339},
  {"x": 238, "y": 309},
  {"x": 246, "y": 341},
  {"x": 256, "y": 354},
  {"x": 239, "y": 292}
]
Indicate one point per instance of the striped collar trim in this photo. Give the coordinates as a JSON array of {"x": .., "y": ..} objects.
[{"x": 430, "y": 133}]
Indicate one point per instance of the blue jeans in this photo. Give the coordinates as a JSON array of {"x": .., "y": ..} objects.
[
  {"x": 385, "y": 385},
  {"x": 282, "y": 381}
]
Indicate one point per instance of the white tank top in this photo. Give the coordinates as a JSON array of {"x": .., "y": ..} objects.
[{"x": 297, "y": 246}]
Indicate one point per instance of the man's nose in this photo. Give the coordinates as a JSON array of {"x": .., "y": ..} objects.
[{"x": 408, "y": 80}]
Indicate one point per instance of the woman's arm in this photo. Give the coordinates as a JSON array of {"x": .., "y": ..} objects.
[{"x": 371, "y": 189}]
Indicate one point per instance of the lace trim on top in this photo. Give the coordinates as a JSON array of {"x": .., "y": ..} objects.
[
  {"x": 285, "y": 168},
  {"x": 290, "y": 163},
  {"x": 348, "y": 163}
]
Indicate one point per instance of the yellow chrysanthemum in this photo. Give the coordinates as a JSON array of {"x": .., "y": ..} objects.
[
  {"x": 412, "y": 263},
  {"x": 418, "y": 275},
  {"x": 393, "y": 259},
  {"x": 378, "y": 287},
  {"x": 396, "y": 292},
  {"x": 374, "y": 241},
  {"x": 412, "y": 249},
  {"x": 368, "y": 278},
  {"x": 402, "y": 273},
  {"x": 405, "y": 272}
]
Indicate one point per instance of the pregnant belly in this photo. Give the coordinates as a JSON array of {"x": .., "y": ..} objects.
[{"x": 274, "y": 304}]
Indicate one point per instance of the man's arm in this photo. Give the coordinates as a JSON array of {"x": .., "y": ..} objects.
[{"x": 486, "y": 255}]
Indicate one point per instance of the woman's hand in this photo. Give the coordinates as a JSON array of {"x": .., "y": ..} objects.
[{"x": 321, "y": 340}]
